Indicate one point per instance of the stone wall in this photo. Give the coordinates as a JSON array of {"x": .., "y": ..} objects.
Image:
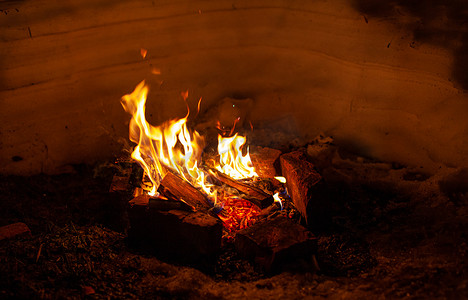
[{"x": 387, "y": 81}]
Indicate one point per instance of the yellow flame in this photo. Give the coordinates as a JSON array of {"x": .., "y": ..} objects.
[
  {"x": 231, "y": 160},
  {"x": 277, "y": 199},
  {"x": 173, "y": 146},
  {"x": 170, "y": 145},
  {"x": 280, "y": 179}
]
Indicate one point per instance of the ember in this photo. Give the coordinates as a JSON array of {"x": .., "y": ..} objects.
[{"x": 237, "y": 214}]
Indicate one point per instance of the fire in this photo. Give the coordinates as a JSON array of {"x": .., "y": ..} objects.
[
  {"x": 231, "y": 160},
  {"x": 171, "y": 146},
  {"x": 143, "y": 52},
  {"x": 168, "y": 146}
]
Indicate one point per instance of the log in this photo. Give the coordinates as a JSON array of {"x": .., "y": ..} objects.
[
  {"x": 306, "y": 188},
  {"x": 175, "y": 235},
  {"x": 174, "y": 186},
  {"x": 265, "y": 161},
  {"x": 276, "y": 244},
  {"x": 14, "y": 230},
  {"x": 253, "y": 194},
  {"x": 160, "y": 203}
]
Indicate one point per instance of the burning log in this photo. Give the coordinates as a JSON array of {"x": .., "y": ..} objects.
[
  {"x": 172, "y": 186},
  {"x": 306, "y": 188},
  {"x": 177, "y": 235},
  {"x": 276, "y": 242},
  {"x": 253, "y": 194}
]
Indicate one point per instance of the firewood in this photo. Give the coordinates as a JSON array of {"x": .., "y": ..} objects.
[
  {"x": 253, "y": 194},
  {"x": 275, "y": 243},
  {"x": 160, "y": 203},
  {"x": 14, "y": 230},
  {"x": 174, "y": 186},
  {"x": 306, "y": 188},
  {"x": 176, "y": 235},
  {"x": 265, "y": 161}
]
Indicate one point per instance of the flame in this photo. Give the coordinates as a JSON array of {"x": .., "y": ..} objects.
[
  {"x": 231, "y": 160},
  {"x": 170, "y": 145},
  {"x": 280, "y": 179},
  {"x": 277, "y": 199},
  {"x": 143, "y": 52}
]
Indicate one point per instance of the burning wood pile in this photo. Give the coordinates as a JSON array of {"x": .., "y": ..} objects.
[{"x": 187, "y": 203}]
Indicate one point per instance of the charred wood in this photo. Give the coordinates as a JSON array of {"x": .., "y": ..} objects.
[
  {"x": 276, "y": 243},
  {"x": 172, "y": 186},
  {"x": 253, "y": 194},
  {"x": 306, "y": 188},
  {"x": 266, "y": 161},
  {"x": 178, "y": 235},
  {"x": 160, "y": 203}
]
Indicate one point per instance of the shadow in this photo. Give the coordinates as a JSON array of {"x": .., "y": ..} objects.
[{"x": 439, "y": 22}]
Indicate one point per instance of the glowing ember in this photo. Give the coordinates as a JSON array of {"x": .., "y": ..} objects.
[{"x": 238, "y": 214}]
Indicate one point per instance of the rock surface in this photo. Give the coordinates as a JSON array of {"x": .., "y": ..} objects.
[{"x": 385, "y": 79}]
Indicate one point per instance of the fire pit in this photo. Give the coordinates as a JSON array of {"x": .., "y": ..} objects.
[
  {"x": 185, "y": 204},
  {"x": 351, "y": 181}
]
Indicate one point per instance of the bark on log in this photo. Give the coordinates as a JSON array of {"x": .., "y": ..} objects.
[
  {"x": 160, "y": 203},
  {"x": 176, "y": 235},
  {"x": 253, "y": 194},
  {"x": 174, "y": 186},
  {"x": 306, "y": 188},
  {"x": 277, "y": 244},
  {"x": 265, "y": 161}
]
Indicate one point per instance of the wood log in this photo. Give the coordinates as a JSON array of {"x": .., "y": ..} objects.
[
  {"x": 160, "y": 203},
  {"x": 253, "y": 194},
  {"x": 306, "y": 188},
  {"x": 14, "y": 230},
  {"x": 179, "y": 236},
  {"x": 174, "y": 186},
  {"x": 265, "y": 161},
  {"x": 277, "y": 244}
]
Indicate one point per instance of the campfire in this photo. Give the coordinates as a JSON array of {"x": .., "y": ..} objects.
[{"x": 188, "y": 202}]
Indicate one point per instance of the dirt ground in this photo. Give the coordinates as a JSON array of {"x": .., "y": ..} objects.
[{"x": 395, "y": 233}]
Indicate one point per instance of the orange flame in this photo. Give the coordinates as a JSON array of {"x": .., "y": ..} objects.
[
  {"x": 143, "y": 52},
  {"x": 170, "y": 145}
]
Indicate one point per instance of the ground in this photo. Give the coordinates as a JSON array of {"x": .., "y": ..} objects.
[{"x": 395, "y": 233}]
